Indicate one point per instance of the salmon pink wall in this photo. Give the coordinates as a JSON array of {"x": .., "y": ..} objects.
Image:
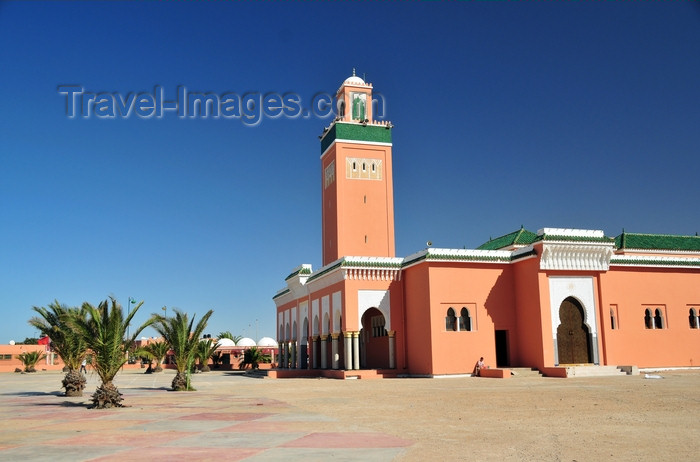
[
  {"x": 364, "y": 207},
  {"x": 418, "y": 336},
  {"x": 531, "y": 302},
  {"x": 477, "y": 288},
  {"x": 630, "y": 291}
]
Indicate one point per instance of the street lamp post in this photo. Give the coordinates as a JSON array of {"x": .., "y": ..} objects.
[
  {"x": 165, "y": 311},
  {"x": 128, "y": 307}
]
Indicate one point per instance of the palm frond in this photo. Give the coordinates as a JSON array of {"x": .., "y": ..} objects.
[
  {"x": 52, "y": 322},
  {"x": 183, "y": 336},
  {"x": 103, "y": 329}
]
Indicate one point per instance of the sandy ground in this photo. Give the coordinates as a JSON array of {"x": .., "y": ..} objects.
[
  {"x": 518, "y": 419},
  {"x": 548, "y": 419}
]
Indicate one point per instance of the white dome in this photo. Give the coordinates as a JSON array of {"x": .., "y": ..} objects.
[
  {"x": 267, "y": 342},
  {"x": 246, "y": 342},
  {"x": 226, "y": 342},
  {"x": 353, "y": 80}
]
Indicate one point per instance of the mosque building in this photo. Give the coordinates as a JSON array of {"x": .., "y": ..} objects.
[{"x": 544, "y": 300}]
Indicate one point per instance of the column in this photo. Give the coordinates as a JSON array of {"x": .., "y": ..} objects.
[
  {"x": 392, "y": 349},
  {"x": 356, "y": 350},
  {"x": 334, "y": 351},
  {"x": 293, "y": 354},
  {"x": 324, "y": 339},
  {"x": 348, "y": 350},
  {"x": 314, "y": 352}
]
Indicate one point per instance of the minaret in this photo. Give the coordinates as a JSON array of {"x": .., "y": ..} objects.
[{"x": 356, "y": 178}]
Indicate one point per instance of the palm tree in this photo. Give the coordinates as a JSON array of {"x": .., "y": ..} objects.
[
  {"x": 229, "y": 335},
  {"x": 154, "y": 351},
  {"x": 104, "y": 330},
  {"x": 30, "y": 358},
  {"x": 205, "y": 350},
  {"x": 183, "y": 339},
  {"x": 252, "y": 357},
  {"x": 52, "y": 322}
]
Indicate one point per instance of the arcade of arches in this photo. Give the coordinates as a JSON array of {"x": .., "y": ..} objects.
[{"x": 372, "y": 347}]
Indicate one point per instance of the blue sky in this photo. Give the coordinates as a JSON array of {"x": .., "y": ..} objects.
[{"x": 581, "y": 115}]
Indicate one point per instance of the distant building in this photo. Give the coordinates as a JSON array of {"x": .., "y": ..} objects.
[{"x": 546, "y": 299}]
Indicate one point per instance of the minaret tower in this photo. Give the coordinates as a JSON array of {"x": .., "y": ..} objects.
[{"x": 356, "y": 178}]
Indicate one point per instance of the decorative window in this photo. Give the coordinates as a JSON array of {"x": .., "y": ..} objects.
[
  {"x": 693, "y": 319},
  {"x": 451, "y": 320},
  {"x": 659, "y": 319},
  {"x": 6, "y": 357},
  {"x": 359, "y": 168},
  {"x": 648, "y": 319},
  {"x": 329, "y": 174},
  {"x": 613, "y": 323},
  {"x": 465, "y": 320},
  {"x": 654, "y": 318},
  {"x": 359, "y": 103}
]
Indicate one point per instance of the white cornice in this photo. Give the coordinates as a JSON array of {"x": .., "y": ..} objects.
[
  {"x": 625, "y": 250},
  {"x": 654, "y": 261},
  {"x": 337, "y": 140},
  {"x": 571, "y": 232},
  {"x": 576, "y": 257}
]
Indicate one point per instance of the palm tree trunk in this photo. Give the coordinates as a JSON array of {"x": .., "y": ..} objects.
[
  {"x": 106, "y": 396},
  {"x": 74, "y": 383},
  {"x": 179, "y": 382}
]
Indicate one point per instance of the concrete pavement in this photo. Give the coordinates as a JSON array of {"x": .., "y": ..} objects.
[{"x": 225, "y": 419}]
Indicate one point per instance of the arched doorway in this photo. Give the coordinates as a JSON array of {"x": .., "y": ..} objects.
[
  {"x": 374, "y": 341},
  {"x": 573, "y": 335},
  {"x": 304, "y": 345}
]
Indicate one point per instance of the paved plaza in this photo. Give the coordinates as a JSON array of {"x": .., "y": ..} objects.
[
  {"x": 214, "y": 423},
  {"x": 235, "y": 417}
]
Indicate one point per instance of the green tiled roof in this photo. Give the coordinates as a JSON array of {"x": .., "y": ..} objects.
[
  {"x": 621, "y": 260},
  {"x": 359, "y": 262},
  {"x": 657, "y": 242},
  {"x": 302, "y": 270},
  {"x": 519, "y": 237},
  {"x": 355, "y": 132},
  {"x": 280, "y": 293}
]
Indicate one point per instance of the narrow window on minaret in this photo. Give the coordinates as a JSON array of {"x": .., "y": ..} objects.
[
  {"x": 365, "y": 200},
  {"x": 365, "y": 239}
]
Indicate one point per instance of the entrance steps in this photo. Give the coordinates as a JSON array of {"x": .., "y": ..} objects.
[
  {"x": 593, "y": 371},
  {"x": 524, "y": 372}
]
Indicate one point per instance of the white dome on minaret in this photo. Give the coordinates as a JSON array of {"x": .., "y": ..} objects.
[{"x": 353, "y": 79}]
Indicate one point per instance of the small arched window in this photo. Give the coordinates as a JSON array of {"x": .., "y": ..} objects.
[
  {"x": 354, "y": 166},
  {"x": 613, "y": 324},
  {"x": 450, "y": 320},
  {"x": 465, "y": 320},
  {"x": 364, "y": 167},
  {"x": 658, "y": 319},
  {"x": 648, "y": 320},
  {"x": 693, "y": 319}
]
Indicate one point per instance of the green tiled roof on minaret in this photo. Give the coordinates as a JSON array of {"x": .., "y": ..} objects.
[
  {"x": 519, "y": 237},
  {"x": 356, "y": 132}
]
